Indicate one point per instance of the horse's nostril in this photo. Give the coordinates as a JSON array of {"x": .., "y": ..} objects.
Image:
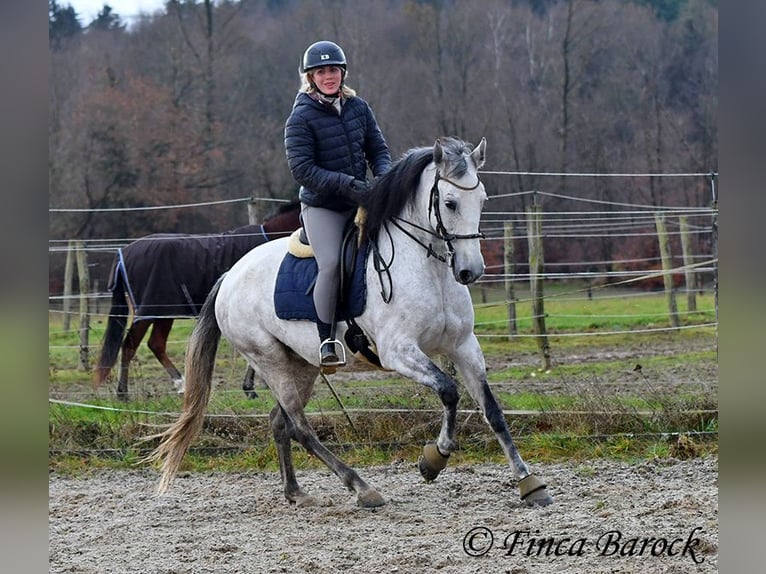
[{"x": 465, "y": 277}]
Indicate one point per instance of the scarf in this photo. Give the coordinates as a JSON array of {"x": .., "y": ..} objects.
[{"x": 334, "y": 101}]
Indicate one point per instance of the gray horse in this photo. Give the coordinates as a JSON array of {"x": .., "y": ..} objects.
[{"x": 423, "y": 227}]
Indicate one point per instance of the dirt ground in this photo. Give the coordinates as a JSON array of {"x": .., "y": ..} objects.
[{"x": 651, "y": 517}]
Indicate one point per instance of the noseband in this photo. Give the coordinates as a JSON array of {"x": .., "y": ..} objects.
[{"x": 441, "y": 231}]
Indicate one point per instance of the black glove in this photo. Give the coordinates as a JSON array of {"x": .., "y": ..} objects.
[
  {"x": 360, "y": 186},
  {"x": 357, "y": 191}
]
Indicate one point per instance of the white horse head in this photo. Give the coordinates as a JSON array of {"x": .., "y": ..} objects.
[
  {"x": 457, "y": 199},
  {"x": 435, "y": 196}
]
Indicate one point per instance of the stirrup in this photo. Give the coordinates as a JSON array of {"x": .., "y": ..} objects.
[{"x": 341, "y": 357}]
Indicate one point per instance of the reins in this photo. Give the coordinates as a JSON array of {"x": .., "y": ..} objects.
[{"x": 383, "y": 268}]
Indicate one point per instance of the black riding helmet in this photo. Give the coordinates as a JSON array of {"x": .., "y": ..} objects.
[{"x": 323, "y": 53}]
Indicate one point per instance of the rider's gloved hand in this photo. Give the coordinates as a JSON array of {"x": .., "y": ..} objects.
[{"x": 357, "y": 191}]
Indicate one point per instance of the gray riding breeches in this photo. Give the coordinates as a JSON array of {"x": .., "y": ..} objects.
[{"x": 324, "y": 228}]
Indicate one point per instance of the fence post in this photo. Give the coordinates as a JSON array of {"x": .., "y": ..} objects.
[
  {"x": 482, "y": 286},
  {"x": 254, "y": 211},
  {"x": 714, "y": 239},
  {"x": 536, "y": 264},
  {"x": 82, "y": 272},
  {"x": 68, "y": 276},
  {"x": 689, "y": 275},
  {"x": 508, "y": 269},
  {"x": 667, "y": 265}
]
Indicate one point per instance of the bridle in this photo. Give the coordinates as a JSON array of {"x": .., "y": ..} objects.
[
  {"x": 383, "y": 267},
  {"x": 440, "y": 232}
]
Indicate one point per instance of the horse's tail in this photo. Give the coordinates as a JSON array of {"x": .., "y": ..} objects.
[
  {"x": 200, "y": 360},
  {"x": 115, "y": 330}
]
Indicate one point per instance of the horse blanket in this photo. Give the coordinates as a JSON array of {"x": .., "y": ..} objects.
[{"x": 171, "y": 274}]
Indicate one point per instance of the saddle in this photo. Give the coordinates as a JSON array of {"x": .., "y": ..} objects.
[{"x": 297, "y": 274}]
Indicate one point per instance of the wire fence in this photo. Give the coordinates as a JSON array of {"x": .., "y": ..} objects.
[
  {"x": 611, "y": 224},
  {"x": 597, "y": 249}
]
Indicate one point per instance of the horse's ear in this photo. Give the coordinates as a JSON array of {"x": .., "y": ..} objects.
[
  {"x": 479, "y": 154},
  {"x": 438, "y": 151}
]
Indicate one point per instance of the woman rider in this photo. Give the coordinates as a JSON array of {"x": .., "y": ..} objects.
[{"x": 331, "y": 138}]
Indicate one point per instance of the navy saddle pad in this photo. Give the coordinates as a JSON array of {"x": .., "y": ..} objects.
[{"x": 293, "y": 297}]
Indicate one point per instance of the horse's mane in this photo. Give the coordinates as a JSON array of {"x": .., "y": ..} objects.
[{"x": 391, "y": 193}]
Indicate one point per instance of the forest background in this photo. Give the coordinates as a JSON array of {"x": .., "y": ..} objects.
[{"x": 188, "y": 105}]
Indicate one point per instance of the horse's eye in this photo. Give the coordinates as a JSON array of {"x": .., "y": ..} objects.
[{"x": 451, "y": 204}]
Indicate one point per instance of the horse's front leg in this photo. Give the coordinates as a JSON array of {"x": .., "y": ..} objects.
[
  {"x": 435, "y": 455},
  {"x": 411, "y": 362},
  {"x": 469, "y": 361}
]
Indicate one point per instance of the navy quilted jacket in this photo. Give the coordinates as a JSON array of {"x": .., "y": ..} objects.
[{"x": 326, "y": 151}]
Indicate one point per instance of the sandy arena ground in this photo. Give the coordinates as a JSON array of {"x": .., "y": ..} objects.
[{"x": 464, "y": 522}]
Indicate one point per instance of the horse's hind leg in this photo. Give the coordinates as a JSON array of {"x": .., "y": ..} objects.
[
  {"x": 248, "y": 383},
  {"x": 130, "y": 344},
  {"x": 157, "y": 343},
  {"x": 293, "y": 492},
  {"x": 302, "y": 431},
  {"x": 293, "y": 391}
]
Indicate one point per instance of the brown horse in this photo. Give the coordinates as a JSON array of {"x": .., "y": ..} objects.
[{"x": 166, "y": 276}]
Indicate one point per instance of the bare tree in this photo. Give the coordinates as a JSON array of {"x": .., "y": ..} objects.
[{"x": 189, "y": 104}]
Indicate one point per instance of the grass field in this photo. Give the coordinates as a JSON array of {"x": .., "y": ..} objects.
[{"x": 621, "y": 385}]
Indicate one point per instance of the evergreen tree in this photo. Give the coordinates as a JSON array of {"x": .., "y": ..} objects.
[
  {"x": 107, "y": 20},
  {"x": 63, "y": 23},
  {"x": 666, "y": 10}
]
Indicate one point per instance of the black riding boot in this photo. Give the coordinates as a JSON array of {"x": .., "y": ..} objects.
[{"x": 327, "y": 354}]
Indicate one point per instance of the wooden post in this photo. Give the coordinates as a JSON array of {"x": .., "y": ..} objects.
[
  {"x": 508, "y": 270},
  {"x": 68, "y": 276},
  {"x": 95, "y": 307},
  {"x": 82, "y": 272},
  {"x": 255, "y": 211},
  {"x": 482, "y": 286},
  {"x": 714, "y": 239},
  {"x": 536, "y": 264},
  {"x": 689, "y": 275},
  {"x": 667, "y": 265}
]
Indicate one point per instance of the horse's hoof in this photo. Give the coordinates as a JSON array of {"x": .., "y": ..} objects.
[
  {"x": 539, "y": 498},
  {"x": 370, "y": 499},
  {"x": 302, "y": 500},
  {"x": 534, "y": 491},
  {"x": 431, "y": 462},
  {"x": 179, "y": 385}
]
